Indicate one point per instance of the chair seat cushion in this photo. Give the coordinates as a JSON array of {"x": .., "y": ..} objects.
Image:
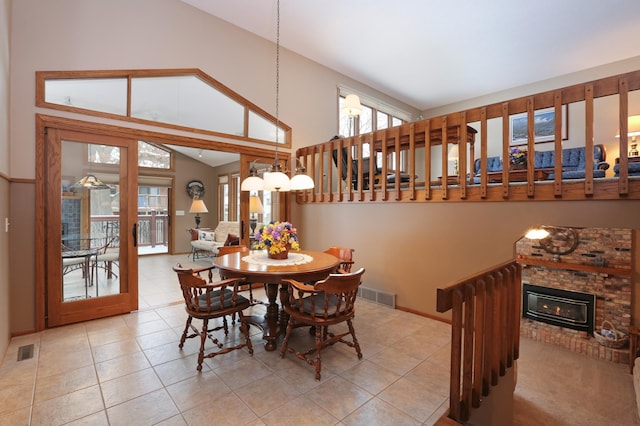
[
  {"x": 319, "y": 305},
  {"x": 215, "y": 300}
]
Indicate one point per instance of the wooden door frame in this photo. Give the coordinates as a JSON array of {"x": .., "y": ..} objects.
[{"x": 44, "y": 121}]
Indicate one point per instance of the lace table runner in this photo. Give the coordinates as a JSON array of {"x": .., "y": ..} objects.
[{"x": 261, "y": 258}]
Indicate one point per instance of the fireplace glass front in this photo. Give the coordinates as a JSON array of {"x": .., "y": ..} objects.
[{"x": 563, "y": 308}]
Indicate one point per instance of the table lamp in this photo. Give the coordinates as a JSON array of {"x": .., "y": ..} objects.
[
  {"x": 197, "y": 207},
  {"x": 255, "y": 208},
  {"x": 453, "y": 156},
  {"x": 633, "y": 130}
]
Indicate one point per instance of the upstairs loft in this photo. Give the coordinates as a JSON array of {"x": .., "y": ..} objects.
[{"x": 550, "y": 133}]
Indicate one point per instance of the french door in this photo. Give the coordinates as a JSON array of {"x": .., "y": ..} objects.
[{"x": 90, "y": 226}]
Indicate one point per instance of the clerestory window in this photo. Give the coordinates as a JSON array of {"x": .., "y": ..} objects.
[{"x": 183, "y": 99}]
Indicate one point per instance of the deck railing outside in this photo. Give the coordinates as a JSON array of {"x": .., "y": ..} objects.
[
  {"x": 153, "y": 229},
  {"x": 485, "y": 333}
]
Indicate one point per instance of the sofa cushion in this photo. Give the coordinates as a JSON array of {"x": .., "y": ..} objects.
[
  {"x": 633, "y": 169},
  {"x": 232, "y": 240},
  {"x": 207, "y": 235}
]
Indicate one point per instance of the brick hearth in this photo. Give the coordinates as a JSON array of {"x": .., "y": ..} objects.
[{"x": 599, "y": 247}]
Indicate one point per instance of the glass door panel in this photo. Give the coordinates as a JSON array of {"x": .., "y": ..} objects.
[{"x": 96, "y": 260}]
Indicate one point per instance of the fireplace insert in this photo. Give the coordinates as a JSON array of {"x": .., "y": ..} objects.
[{"x": 569, "y": 309}]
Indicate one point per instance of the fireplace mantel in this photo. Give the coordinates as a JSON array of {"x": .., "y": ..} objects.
[{"x": 623, "y": 272}]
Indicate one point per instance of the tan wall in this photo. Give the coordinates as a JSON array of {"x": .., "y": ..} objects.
[
  {"x": 5, "y": 31},
  {"x": 444, "y": 240},
  {"x": 411, "y": 249}
]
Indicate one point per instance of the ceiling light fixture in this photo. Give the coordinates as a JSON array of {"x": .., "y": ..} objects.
[{"x": 276, "y": 179}]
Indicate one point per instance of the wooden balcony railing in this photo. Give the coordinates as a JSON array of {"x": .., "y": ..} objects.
[
  {"x": 485, "y": 333},
  {"x": 342, "y": 174}
]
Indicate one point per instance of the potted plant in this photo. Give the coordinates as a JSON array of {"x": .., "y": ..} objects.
[{"x": 517, "y": 157}]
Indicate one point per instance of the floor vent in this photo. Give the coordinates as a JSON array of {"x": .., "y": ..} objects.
[
  {"x": 381, "y": 297},
  {"x": 25, "y": 352}
]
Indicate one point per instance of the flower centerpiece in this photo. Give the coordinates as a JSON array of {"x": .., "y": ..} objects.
[
  {"x": 278, "y": 238},
  {"x": 517, "y": 156}
]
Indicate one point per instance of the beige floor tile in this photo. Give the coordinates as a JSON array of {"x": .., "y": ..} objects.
[
  {"x": 149, "y": 327},
  {"x": 416, "y": 400},
  {"x": 405, "y": 365},
  {"x": 339, "y": 397},
  {"x": 170, "y": 351},
  {"x": 69, "y": 407},
  {"x": 179, "y": 369},
  {"x": 226, "y": 410},
  {"x": 96, "y": 419},
  {"x": 118, "y": 367},
  {"x": 266, "y": 394},
  {"x": 378, "y": 412},
  {"x": 432, "y": 374},
  {"x": 370, "y": 376},
  {"x": 301, "y": 411},
  {"x": 102, "y": 336},
  {"x": 395, "y": 360},
  {"x": 197, "y": 390},
  {"x": 17, "y": 417},
  {"x": 52, "y": 363},
  {"x": 177, "y": 420},
  {"x": 130, "y": 386},
  {"x": 243, "y": 372},
  {"x": 15, "y": 397},
  {"x": 147, "y": 409},
  {"x": 115, "y": 350},
  {"x": 158, "y": 338},
  {"x": 49, "y": 387}
]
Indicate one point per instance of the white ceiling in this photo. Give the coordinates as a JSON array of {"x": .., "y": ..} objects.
[{"x": 430, "y": 53}]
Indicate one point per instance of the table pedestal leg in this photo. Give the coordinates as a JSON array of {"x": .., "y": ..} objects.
[{"x": 271, "y": 328}]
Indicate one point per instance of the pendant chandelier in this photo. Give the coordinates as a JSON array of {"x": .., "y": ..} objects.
[{"x": 276, "y": 178}]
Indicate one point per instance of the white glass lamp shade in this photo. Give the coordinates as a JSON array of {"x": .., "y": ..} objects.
[
  {"x": 351, "y": 105},
  {"x": 276, "y": 181},
  {"x": 198, "y": 206},
  {"x": 301, "y": 182},
  {"x": 255, "y": 205},
  {"x": 252, "y": 183}
]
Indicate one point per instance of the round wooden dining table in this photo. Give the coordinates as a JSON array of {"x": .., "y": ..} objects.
[{"x": 274, "y": 322}]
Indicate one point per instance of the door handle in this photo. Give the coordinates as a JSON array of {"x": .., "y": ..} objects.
[{"x": 134, "y": 233}]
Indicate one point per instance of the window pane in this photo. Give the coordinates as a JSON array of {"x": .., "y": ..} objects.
[
  {"x": 382, "y": 120},
  {"x": 260, "y": 128},
  {"x": 366, "y": 120},
  {"x": 152, "y": 156},
  {"x": 103, "y": 154},
  {"x": 105, "y": 95},
  {"x": 396, "y": 121},
  {"x": 186, "y": 101}
]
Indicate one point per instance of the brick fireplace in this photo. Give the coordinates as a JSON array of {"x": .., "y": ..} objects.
[{"x": 599, "y": 267}]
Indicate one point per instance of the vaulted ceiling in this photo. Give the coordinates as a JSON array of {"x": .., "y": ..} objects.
[{"x": 433, "y": 53}]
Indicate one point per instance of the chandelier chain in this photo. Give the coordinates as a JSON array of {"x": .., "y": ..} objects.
[{"x": 277, "y": 74}]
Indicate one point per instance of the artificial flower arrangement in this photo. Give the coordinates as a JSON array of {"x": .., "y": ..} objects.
[
  {"x": 278, "y": 237},
  {"x": 517, "y": 155}
]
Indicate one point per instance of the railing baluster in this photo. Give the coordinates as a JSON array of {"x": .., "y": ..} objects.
[{"x": 484, "y": 334}]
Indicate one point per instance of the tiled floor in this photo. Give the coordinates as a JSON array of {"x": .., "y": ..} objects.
[{"x": 128, "y": 370}]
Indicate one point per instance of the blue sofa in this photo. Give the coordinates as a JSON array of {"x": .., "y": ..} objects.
[
  {"x": 632, "y": 167},
  {"x": 573, "y": 162}
]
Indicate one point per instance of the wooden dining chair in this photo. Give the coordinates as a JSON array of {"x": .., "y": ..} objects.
[
  {"x": 345, "y": 254},
  {"x": 328, "y": 302},
  {"x": 206, "y": 301}
]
